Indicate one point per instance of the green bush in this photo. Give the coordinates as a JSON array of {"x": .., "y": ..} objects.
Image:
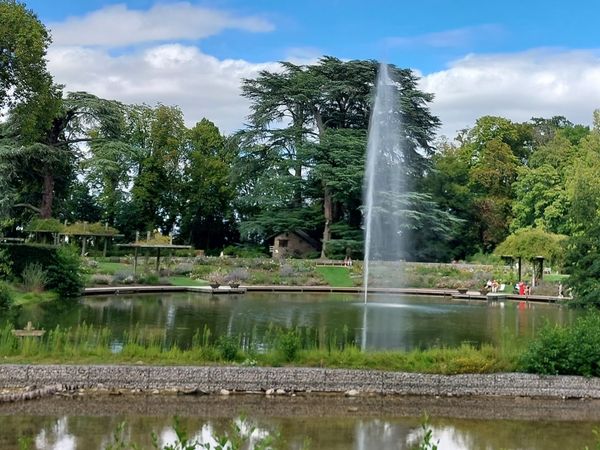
[
  {"x": 149, "y": 278},
  {"x": 566, "y": 351},
  {"x": 34, "y": 277},
  {"x": 5, "y": 264},
  {"x": 228, "y": 347},
  {"x": 6, "y": 297},
  {"x": 548, "y": 353},
  {"x": 289, "y": 344},
  {"x": 245, "y": 251},
  {"x": 22, "y": 254},
  {"x": 65, "y": 276}
]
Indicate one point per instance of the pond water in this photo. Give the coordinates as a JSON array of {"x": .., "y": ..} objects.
[
  {"x": 325, "y": 423},
  {"x": 388, "y": 322}
]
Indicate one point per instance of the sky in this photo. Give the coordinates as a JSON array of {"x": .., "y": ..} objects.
[{"x": 516, "y": 59}]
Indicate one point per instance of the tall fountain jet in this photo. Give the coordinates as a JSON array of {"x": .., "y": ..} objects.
[{"x": 384, "y": 188}]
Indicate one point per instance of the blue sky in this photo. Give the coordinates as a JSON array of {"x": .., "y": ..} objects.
[{"x": 517, "y": 59}]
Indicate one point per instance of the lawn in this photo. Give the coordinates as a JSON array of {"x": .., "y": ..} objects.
[
  {"x": 555, "y": 277},
  {"x": 110, "y": 268},
  {"x": 186, "y": 281},
  {"x": 336, "y": 276}
]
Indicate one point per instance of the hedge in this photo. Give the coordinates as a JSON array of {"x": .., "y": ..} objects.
[{"x": 23, "y": 254}]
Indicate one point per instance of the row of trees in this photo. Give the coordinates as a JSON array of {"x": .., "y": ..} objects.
[{"x": 298, "y": 164}]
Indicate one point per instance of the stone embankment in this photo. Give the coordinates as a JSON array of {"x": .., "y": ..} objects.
[{"x": 20, "y": 382}]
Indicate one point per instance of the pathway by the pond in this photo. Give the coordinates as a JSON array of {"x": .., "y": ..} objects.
[
  {"x": 286, "y": 380},
  {"x": 469, "y": 295}
]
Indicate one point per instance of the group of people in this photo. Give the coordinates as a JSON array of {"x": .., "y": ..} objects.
[
  {"x": 492, "y": 285},
  {"x": 522, "y": 288},
  {"x": 347, "y": 261}
]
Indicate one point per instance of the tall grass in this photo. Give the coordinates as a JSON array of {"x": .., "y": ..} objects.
[
  {"x": 275, "y": 347},
  {"x": 34, "y": 277}
]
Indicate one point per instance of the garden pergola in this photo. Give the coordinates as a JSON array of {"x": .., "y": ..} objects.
[
  {"x": 537, "y": 262},
  {"x": 85, "y": 235},
  {"x": 153, "y": 246}
]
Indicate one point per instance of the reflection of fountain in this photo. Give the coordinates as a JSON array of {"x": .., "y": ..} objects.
[{"x": 383, "y": 186}]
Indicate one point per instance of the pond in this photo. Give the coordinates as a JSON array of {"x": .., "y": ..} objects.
[
  {"x": 323, "y": 422},
  {"x": 387, "y": 322}
]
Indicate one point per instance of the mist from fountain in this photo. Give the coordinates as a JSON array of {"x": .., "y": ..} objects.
[{"x": 384, "y": 188}]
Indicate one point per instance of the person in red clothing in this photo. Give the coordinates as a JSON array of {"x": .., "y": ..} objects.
[{"x": 521, "y": 288}]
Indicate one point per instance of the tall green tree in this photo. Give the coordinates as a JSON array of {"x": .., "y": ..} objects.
[
  {"x": 23, "y": 44},
  {"x": 448, "y": 183},
  {"x": 157, "y": 188},
  {"x": 41, "y": 143},
  {"x": 308, "y": 101},
  {"x": 207, "y": 216}
]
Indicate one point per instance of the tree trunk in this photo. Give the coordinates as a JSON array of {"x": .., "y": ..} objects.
[
  {"x": 328, "y": 212},
  {"x": 47, "y": 196},
  {"x": 327, "y": 200}
]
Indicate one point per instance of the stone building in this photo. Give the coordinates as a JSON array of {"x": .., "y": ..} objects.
[{"x": 293, "y": 244}]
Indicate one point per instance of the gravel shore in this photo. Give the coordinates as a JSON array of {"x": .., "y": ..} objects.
[{"x": 227, "y": 380}]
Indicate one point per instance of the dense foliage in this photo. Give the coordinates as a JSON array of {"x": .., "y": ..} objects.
[
  {"x": 65, "y": 276},
  {"x": 62, "y": 266},
  {"x": 566, "y": 351},
  {"x": 298, "y": 164},
  {"x": 6, "y": 297}
]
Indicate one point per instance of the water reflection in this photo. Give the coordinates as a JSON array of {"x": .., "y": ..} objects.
[
  {"x": 88, "y": 432},
  {"x": 387, "y": 322}
]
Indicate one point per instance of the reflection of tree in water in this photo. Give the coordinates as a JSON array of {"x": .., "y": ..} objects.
[
  {"x": 56, "y": 436},
  {"x": 332, "y": 433},
  {"x": 381, "y": 434},
  {"x": 495, "y": 434}
]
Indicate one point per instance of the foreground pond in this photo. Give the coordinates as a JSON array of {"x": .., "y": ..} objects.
[
  {"x": 324, "y": 422},
  {"x": 392, "y": 321}
]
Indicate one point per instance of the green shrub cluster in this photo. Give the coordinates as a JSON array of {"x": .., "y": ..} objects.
[
  {"x": 34, "y": 277},
  {"x": 289, "y": 343},
  {"x": 6, "y": 297},
  {"x": 21, "y": 255},
  {"x": 65, "y": 275},
  {"x": 62, "y": 265},
  {"x": 228, "y": 347},
  {"x": 245, "y": 251},
  {"x": 566, "y": 351},
  {"x": 5, "y": 264}
]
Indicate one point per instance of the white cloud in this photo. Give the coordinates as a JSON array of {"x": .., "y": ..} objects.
[
  {"x": 458, "y": 37},
  {"x": 117, "y": 26},
  {"x": 303, "y": 55},
  {"x": 172, "y": 74},
  {"x": 518, "y": 86}
]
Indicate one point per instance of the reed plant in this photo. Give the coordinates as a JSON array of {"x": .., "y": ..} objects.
[
  {"x": 34, "y": 277},
  {"x": 275, "y": 347}
]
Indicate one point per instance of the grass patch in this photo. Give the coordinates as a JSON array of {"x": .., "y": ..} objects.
[
  {"x": 555, "y": 277},
  {"x": 86, "y": 344},
  {"x": 21, "y": 297},
  {"x": 110, "y": 268},
  {"x": 186, "y": 281},
  {"x": 336, "y": 276},
  {"x": 24, "y": 298}
]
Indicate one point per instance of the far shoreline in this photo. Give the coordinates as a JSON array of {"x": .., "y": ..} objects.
[{"x": 453, "y": 293}]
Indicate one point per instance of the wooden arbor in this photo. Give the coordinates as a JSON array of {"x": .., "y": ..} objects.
[
  {"x": 86, "y": 231},
  {"x": 538, "y": 267},
  {"x": 158, "y": 243}
]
